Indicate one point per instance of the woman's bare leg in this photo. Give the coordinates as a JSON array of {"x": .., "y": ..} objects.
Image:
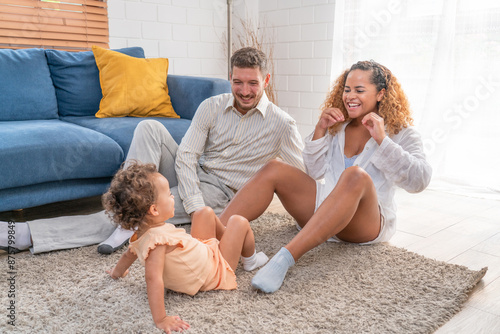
[
  {"x": 295, "y": 189},
  {"x": 350, "y": 212}
]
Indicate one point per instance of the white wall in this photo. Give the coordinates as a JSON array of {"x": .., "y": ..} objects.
[
  {"x": 303, "y": 52},
  {"x": 191, "y": 34},
  {"x": 187, "y": 32}
]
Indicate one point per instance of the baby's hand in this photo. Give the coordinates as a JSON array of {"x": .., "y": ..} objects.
[
  {"x": 174, "y": 323},
  {"x": 115, "y": 275}
]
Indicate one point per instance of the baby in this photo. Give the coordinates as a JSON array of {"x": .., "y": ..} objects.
[{"x": 139, "y": 199}]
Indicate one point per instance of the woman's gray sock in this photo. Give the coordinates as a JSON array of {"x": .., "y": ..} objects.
[{"x": 270, "y": 278}]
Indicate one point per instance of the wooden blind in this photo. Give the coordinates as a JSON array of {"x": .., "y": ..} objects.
[{"x": 72, "y": 25}]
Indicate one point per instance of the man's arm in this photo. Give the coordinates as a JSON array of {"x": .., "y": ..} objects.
[
  {"x": 188, "y": 156},
  {"x": 292, "y": 146}
]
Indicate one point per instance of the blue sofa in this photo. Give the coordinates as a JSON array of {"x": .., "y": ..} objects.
[{"x": 52, "y": 147}]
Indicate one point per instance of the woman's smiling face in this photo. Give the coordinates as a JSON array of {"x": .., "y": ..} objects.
[{"x": 360, "y": 95}]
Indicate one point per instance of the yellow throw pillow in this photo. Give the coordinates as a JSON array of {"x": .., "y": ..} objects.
[{"x": 132, "y": 86}]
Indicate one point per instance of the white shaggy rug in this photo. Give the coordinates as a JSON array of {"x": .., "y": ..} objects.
[{"x": 335, "y": 288}]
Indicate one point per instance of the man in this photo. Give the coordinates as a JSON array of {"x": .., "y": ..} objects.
[{"x": 230, "y": 138}]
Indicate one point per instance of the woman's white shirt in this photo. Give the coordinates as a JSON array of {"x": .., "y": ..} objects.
[{"x": 398, "y": 161}]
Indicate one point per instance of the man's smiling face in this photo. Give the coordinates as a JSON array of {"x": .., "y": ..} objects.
[{"x": 247, "y": 85}]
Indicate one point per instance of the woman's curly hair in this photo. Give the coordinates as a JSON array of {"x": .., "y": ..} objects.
[
  {"x": 394, "y": 107},
  {"x": 130, "y": 195}
]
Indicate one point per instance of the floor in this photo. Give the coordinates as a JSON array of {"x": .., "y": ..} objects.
[
  {"x": 451, "y": 228},
  {"x": 460, "y": 230}
]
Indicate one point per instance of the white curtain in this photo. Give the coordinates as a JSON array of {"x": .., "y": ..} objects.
[{"x": 446, "y": 55}]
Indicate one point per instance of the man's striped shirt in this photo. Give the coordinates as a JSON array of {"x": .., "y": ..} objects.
[{"x": 232, "y": 146}]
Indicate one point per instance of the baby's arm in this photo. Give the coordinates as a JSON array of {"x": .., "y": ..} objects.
[
  {"x": 156, "y": 290},
  {"x": 121, "y": 268}
]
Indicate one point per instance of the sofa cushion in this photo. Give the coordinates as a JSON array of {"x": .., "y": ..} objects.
[
  {"x": 50, "y": 192},
  {"x": 132, "y": 86},
  {"x": 76, "y": 80},
  {"x": 187, "y": 92},
  {"x": 26, "y": 89},
  {"x": 52, "y": 150},
  {"x": 121, "y": 129}
]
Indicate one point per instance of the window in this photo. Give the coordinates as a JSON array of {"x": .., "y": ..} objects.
[
  {"x": 446, "y": 54},
  {"x": 72, "y": 25}
]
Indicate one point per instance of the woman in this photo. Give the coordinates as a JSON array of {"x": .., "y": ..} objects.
[{"x": 362, "y": 147}]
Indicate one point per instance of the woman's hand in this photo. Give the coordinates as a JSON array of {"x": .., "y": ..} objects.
[
  {"x": 115, "y": 275},
  {"x": 375, "y": 125},
  {"x": 175, "y": 323},
  {"x": 328, "y": 117}
]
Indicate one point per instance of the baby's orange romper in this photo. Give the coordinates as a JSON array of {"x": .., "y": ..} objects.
[{"x": 195, "y": 265}]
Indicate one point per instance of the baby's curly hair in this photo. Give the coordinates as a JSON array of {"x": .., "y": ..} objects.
[
  {"x": 130, "y": 195},
  {"x": 394, "y": 107}
]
